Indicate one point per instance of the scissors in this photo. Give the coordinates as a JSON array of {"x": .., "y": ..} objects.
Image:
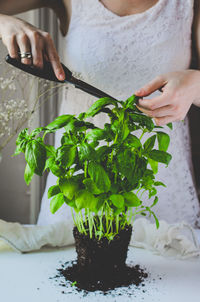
[{"x": 48, "y": 74}]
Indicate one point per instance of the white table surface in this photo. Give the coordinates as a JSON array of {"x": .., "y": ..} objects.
[{"x": 25, "y": 278}]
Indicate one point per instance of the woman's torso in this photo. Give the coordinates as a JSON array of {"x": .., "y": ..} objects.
[{"x": 121, "y": 54}]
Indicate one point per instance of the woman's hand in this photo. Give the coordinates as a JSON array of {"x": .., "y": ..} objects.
[
  {"x": 20, "y": 36},
  {"x": 179, "y": 91}
]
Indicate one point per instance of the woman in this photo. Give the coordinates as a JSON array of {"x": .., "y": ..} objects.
[{"x": 122, "y": 46}]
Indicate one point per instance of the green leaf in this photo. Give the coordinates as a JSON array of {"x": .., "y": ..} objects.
[
  {"x": 68, "y": 187},
  {"x": 99, "y": 104},
  {"x": 82, "y": 116},
  {"x": 50, "y": 150},
  {"x": 170, "y": 126},
  {"x": 66, "y": 155},
  {"x": 59, "y": 122},
  {"x": 53, "y": 190},
  {"x": 99, "y": 176},
  {"x": 154, "y": 202},
  {"x": 142, "y": 120},
  {"x": 85, "y": 200},
  {"x": 117, "y": 200},
  {"x": 154, "y": 165},
  {"x": 103, "y": 151},
  {"x": 96, "y": 134},
  {"x": 131, "y": 200},
  {"x": 156, "y": 220},
  {"x": 76, "y": 125},
  {"x": 28, "y": 174},
  {"x": 55, "y": 169},
  {"x": 36, "y": 131},
  {"x": 160, "y": 156},
  {"x": 163, "y": 141},
  {"x": 21, "y": 147},
  {"x": 86, "y": 152},
  {"x": 91, "y": 186},
  {"x": 131, "y": 101},
  {"x": 35, "y": 156},
  {"x": 131, "y": 166},
  {"x": 56, "y": 202},
  {"x": 149, "y": 144},
  {"x": 22, "y": 135},
  {"x": 133, "y": 141},
  {"x": 159, "y": 183}
]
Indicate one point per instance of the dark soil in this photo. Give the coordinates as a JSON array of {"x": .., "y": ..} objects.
[
  {"x": 108, "y": 281},
  {"x": 101, "y": 263}
]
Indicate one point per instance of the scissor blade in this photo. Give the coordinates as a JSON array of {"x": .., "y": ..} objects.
[{"x": 89, "y": 88}]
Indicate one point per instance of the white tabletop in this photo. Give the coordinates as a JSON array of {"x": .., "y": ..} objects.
[{"x": 25, "y": 278}]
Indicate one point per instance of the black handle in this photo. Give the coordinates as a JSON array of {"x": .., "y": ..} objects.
[{"x": 46, "y": 73}]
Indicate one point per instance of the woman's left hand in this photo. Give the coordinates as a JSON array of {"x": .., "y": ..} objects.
[{"x": 179, "y": 91}]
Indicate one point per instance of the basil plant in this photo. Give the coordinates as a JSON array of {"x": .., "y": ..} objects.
[{"x": 102, "y": 173}]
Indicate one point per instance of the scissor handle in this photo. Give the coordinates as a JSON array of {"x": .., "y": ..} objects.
[{"x": 46, "y": 72}]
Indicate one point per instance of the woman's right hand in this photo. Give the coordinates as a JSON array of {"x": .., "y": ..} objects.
[{"x": 20, "y": 36}]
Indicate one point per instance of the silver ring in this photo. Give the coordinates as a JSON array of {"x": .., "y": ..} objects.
[{"x": 25, "y": 55}]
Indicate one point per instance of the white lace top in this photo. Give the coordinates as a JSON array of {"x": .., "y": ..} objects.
[{"x": 119, "y": 55}]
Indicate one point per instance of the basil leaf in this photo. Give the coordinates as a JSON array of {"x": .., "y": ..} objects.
[
  {"x": 117, "y": 200},
  {"x": 131, "y": 101},
  {"x": 142, "y": 120},
  {"x": 96, "y": 134},
  {"x": 103, "y": 151},
  {"x": 131, "y": 166},
  {"x": 91, "y": 186},
  {"x": 22, "y": 135},
  {"x": 59, "y": 122},
  {"x": 68, "y": 187},
  {"x": 149, "y": 144},
  {"x": 133, "y": 141},
  {"x": 66, "y": 155},
  {"x": 55, "y": 169},
  {"x": 156, "y": 220},
  {"x": 21, "y": 147},
  {"x": 28, "y": 174},
  {"x": 35, "y": 156},
  {"x": 99, "y": 176},
  {"x": 170, "y": 125},
  {"x": 36, "y": 131},
  {"x": 86, "y": 152},
  {"x": 50, "y": 150},
  {"x": 131, "y": 200},
  {"x": 154, "y": 165},
  {"x": 159, "y": 183},
  {"x": 53, "y": 190},
  {"x": 160, "y": 156},
  {"x": 154, "y": 202},
  {"x": 99, "y": 104},
  {"x": 85, "y": 200},
  {"x": 163, "y": 141},
  {"x": 56, "y": 202}
]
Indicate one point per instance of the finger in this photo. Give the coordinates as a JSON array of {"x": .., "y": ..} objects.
[
  {"x": 155, "y": 103},
  {"x": 160, "y": 112},
  {"x": 155, "y": 84},
  {"x": 24, "y": 46},
  {"x": 37, "y": 46},
  {"x": 12, "y": 47},
  {"x": 161, "y": 121},
  {"x": 54, "y": 59}
]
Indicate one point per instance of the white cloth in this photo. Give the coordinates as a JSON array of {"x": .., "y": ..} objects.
[
  {"x": 119, "y": 55},
  {"x": 177, "y": 240}
]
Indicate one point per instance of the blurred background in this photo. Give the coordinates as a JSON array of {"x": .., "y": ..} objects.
[{"x": 19, "y": 203}]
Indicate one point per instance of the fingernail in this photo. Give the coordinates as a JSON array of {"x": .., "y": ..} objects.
[{"x": 61, "y": 77}]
